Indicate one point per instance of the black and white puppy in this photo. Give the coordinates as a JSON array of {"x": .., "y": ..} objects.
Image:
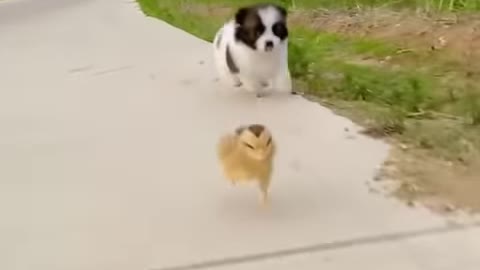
[{"x": 251, "y": 50}]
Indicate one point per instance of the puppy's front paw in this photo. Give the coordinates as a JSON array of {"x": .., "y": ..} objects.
[
  {"x": 251, "y": 86},
  {"x": 262, "y": 93}
]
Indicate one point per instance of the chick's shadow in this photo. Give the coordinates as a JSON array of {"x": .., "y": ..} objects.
[{"x": 242, "y": 202}]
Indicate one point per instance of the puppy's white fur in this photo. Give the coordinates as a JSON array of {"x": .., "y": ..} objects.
[{"x": 258, "y": 68}]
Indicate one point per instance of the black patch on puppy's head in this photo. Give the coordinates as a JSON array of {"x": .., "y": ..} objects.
[
  {"x": 280, "y": 30},
  {"x": 249, "y": 26}
]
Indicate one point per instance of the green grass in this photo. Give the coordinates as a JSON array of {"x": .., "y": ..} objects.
[
  {"x": 453, "y": 5},
  {"x": 402, "y": 102}
]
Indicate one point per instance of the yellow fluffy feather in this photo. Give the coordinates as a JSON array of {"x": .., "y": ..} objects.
[{"x": 247, "y": 155}]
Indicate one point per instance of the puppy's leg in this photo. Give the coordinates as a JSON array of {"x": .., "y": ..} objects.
[
  {"x": 233, "y": 80},
  {"x": 254, "y": 86},
  {"x": 227, "y": 78},
  {"x": 282, "y": 82},
  {"x": 224, "y": 73}
]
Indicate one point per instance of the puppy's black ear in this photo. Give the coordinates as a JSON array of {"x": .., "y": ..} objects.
[{"x": 241, "y": 15}]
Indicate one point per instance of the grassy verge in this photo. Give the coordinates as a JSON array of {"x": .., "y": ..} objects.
[{"x": 427, "y": 99}]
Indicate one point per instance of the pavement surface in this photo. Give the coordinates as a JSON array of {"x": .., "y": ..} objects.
[{"x": 108, "y": 126}]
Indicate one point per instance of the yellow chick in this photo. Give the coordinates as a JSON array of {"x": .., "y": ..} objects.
[{"x": 247, "y": 155}]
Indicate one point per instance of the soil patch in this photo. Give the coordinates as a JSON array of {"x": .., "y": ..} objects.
[
  {"x": 443, "y": 186},
  {"x": 455, "y": 37}
]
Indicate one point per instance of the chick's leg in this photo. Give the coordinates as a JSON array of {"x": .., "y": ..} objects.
[{"x": 232, "y": 178}]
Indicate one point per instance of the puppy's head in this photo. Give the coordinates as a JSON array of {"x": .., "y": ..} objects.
[
  {"x": 255, "y": 141},
  {"x": 261, "y": 27}
]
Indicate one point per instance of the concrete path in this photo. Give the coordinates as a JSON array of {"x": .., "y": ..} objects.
[{"x": 108, "y": 122}]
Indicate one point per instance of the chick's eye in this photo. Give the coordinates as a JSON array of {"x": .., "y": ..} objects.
[
  {"x": 248, "y": 145},
  {"x": 269, "y": 141}
]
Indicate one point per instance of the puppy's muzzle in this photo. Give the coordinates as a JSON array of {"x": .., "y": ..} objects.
[{"x": 268, "y": 45}]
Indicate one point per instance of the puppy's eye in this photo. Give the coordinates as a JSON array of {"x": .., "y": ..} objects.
[
  {"x": 248, "y": 145},
  {"x": 280, "y": 30},
  {"x": 259, "y": 30}
]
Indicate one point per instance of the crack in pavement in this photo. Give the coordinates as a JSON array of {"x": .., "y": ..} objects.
[
  {"x": 335, "y": 245},
  {"x": 111, "y": 70}
]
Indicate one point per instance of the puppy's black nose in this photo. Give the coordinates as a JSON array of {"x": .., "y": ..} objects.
[{"x": 269, "y": 45}]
